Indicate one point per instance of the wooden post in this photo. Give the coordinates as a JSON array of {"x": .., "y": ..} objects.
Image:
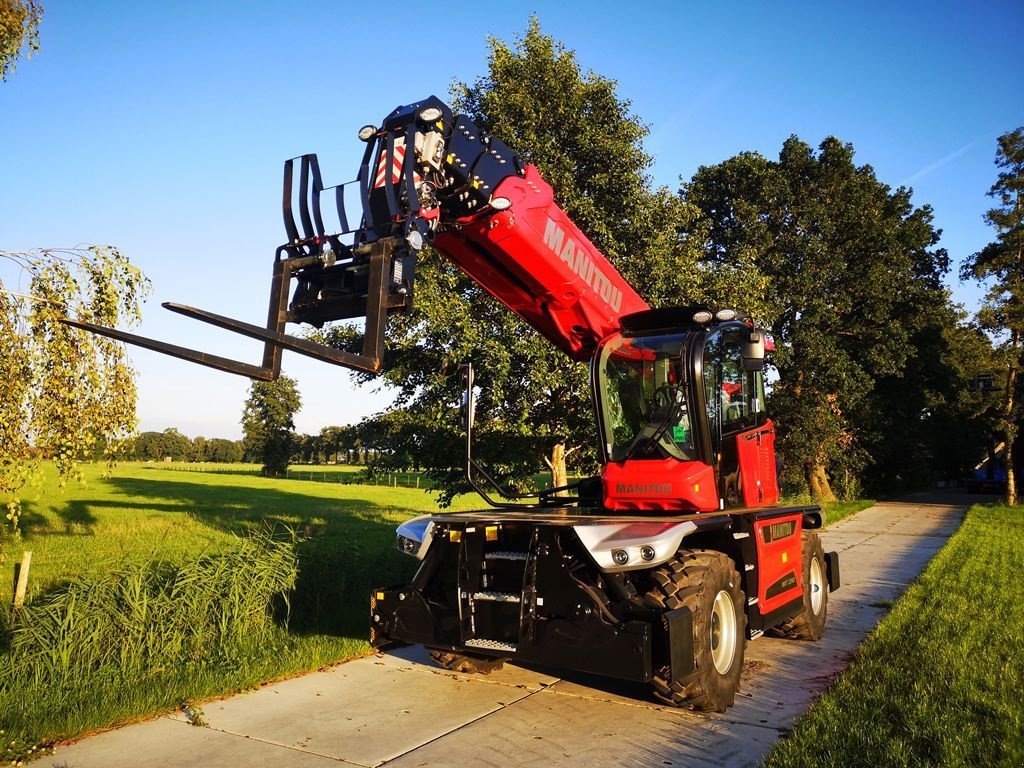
[{"x": 21, "y": 579}]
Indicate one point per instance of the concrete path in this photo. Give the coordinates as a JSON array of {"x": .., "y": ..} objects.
[{"x": 397, "y": 710}]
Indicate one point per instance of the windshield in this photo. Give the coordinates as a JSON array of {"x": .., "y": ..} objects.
[{"x": 643, "y": 398}]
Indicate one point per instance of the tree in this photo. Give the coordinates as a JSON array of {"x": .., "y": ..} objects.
[
  {"x": 147, "y": 446},
  {"x": 848, "y": 269},
  {"x": 534, "y": 405},
  {"x": 64, "y": 391},
  {"x": 224, "y": 451},
  {"x": 19, "y": 32},
  {"x": 175, "y": 445},
  {"x": 1000, "y": 264},
  {"x": 267, "y": 423}
]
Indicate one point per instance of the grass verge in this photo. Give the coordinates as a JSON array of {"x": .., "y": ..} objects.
[{"x": 941, "y": 679}]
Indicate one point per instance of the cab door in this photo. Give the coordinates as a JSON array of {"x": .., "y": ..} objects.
[{"x": 740, "y": 435}]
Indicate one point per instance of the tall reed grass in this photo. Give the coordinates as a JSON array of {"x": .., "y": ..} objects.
[{"x": 90, "y": 644}]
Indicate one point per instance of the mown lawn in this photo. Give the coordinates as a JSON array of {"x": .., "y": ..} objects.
[
  {"x": 159, "y": 519},
  {"x": 940, "y": 682}
]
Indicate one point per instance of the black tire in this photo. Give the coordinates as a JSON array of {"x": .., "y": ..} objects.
[
  {"x": 809, "y": 624},
  {"x": 465, "y": 662},
  {"x": 694, "y": 580}
]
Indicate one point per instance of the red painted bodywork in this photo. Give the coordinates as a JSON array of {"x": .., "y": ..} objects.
[
  {"x": 536, "y": 261},
  {"x": 756, "y": 452},
  {"x": 659, "y": 485},
  {"x": 776, "y": 560}
]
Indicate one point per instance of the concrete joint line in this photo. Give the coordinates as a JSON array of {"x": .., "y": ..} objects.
[
  {"x": 272, "y": 743},
  {"x": 457, "y": 728}
]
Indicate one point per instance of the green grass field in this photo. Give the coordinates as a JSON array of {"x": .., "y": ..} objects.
[
  {"x": 940, "y": 682},
  {"x": 147, "y": 510},
  {"x": 153, "y": 519}
]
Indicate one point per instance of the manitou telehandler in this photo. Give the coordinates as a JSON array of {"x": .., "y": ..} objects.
[{"x": 662, "y": 567}]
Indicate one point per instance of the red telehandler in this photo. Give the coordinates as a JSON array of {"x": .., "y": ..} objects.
[{"x": 658, "y": 570}]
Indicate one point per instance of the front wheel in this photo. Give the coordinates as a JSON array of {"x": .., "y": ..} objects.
[
  {"x": 809, "y": 624},
  {"x": 707, "y": 583}
]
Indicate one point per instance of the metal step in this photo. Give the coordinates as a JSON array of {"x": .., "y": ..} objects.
[
  {"x": 756, "y": 633},
  {"x": 506, "y": 555},
  {"x": 748, "y": 567},
  {"x": 751, "y": 601},
  {"x": 740, "y": 535},
  {"x": 490, "y": 645},
  {"x": 498, "y": 597}
]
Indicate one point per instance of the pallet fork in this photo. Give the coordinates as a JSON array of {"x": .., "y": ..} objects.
[{"x": 370, "y": 277}]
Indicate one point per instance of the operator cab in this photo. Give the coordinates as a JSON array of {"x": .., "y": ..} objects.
[{"x": 680, "y": 403}]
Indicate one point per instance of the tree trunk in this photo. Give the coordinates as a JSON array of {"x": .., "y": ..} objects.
[
  {"x": 559, "y": 476},
  {"x": 817, "y": 480},
  {"x": 1009, "y": 424}
]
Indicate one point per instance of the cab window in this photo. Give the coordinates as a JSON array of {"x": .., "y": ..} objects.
[{"x": 733, "y": 396}]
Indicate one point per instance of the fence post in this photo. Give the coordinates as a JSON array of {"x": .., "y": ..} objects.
[{"x": 21, "y": 579}]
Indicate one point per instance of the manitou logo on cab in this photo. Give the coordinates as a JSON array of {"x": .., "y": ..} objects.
[
  {"x": 644, "y": 489},
  {"x": 578, "y": 259}
]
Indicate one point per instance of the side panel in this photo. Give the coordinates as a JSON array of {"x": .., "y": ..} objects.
[
  {"x": 756, "y": 451},
  {"x": 778, "y": 555}
]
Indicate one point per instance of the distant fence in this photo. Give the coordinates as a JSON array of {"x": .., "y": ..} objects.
[{"x": 330, "y": 474}]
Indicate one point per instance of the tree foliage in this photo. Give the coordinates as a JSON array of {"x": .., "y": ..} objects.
[
  {"x": 1000, "y": 265},
  {"x": 850, "y": 273},
  {"x": 267, "y": 423},
  {"x": 534, "y": 404},
  {"x": 64, "y": 393},
  {"x": 19, "y": 32}
]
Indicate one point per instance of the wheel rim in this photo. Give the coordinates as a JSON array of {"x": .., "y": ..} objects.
[
  {"x": 816, "y": 586},
  {"x": 723, "y": 632}
]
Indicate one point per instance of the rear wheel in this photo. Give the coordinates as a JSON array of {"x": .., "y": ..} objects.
[
  {"x": 809, "y": 624},
  {"x": 466, "y": 663},
  {"x": 707, "y": 583}
]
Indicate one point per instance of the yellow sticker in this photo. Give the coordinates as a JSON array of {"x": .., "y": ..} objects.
[
  {"x": 380, "y": 595},
  {"x": 491, "y": 533},
  {"x": 454, "y": 535},
  {"x": 696, "y": 487},
  {"x": 785, "y": 557}
]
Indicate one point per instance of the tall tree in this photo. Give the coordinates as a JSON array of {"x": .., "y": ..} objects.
[
  {"x": 63, "y": 391},
  {"x": 534, "y": 405},
  {"x": 1000, "y": 265},
  {"x": 846, "y": 265},
  {"x": 19, "y": 32},
  {"x": 267, "y": 422}
]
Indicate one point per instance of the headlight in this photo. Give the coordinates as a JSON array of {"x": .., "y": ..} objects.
[
  {"x": 632, "y": 546},
  {"x": 413, "y": 537}
]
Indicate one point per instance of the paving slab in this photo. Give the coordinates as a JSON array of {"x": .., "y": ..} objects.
[
  {"x": 551, "y": 729},
  {"x": 365, "y": 712},
  {"x": 166, "y": 742},
  {"x": 396, "y": 709}
]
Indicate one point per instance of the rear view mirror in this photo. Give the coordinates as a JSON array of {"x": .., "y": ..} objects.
[{"x": 753, "y": 351}]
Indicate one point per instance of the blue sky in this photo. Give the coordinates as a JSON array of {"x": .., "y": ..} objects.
[{"x": 162, "y": 130}]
